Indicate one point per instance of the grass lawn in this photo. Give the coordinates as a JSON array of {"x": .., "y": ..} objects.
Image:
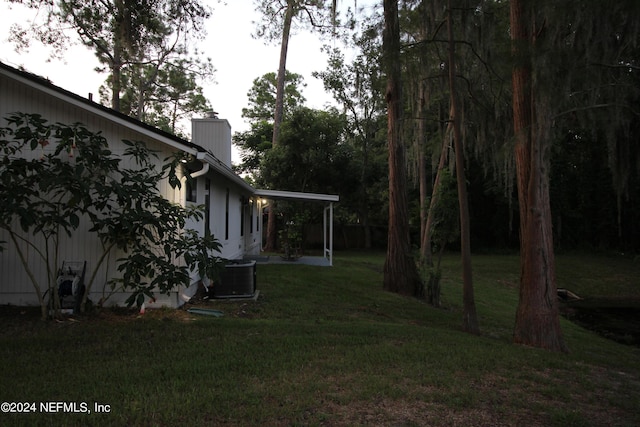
[{"x": 326, "y": 346}]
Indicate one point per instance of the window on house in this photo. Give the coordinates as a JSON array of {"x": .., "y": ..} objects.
[
  {"x": 192, "y": 190},
  {"x": 207, "y": 206},
  {"x": 242, "y": 216}
]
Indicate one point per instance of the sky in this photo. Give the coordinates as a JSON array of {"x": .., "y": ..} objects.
[{"x": 237, "y": 57}]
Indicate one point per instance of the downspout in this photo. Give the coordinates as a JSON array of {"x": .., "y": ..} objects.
[
  {"x": 181, "y": 297},
  {"x": 201, "y": 172}
]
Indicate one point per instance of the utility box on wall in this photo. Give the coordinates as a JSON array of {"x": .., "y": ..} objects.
[{"x": 237, "y": 280}]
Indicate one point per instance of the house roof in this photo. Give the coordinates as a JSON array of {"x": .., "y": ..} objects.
[
  {"x": 110, "y": 114},
  {"x": 46, "y": 86}
]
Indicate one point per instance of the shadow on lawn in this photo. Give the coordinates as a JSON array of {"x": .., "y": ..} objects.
[{"x": 615, "y": 319}]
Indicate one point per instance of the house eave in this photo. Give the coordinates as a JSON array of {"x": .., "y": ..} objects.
[
  {"x": 46, "y": 87},
  {"x": 224, "y": 170}
]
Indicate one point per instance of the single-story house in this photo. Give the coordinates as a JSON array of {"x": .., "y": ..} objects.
[{"x": 233, "y": 208}]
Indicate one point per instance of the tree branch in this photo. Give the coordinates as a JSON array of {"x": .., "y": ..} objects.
[
  {"x": 591, "y": 107},
  {"x": 627, "y": 66}
]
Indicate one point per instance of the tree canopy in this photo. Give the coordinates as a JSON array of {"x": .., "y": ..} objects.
[
  {"x": 262, "y": 96},
  {"x": 145, "y": 46}
]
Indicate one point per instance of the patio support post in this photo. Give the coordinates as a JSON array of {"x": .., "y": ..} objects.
[
  {"x": 324, "y": 232},
  {"x": 331, "y": 234},
  {"x": 328, "y": 251}
]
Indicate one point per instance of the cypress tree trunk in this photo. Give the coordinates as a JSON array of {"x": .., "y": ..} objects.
[
  {"x": 425, "y": 247},
  {"x": 400, "y": 271},
  {"x": 423, "y": 180},
  {"x": 118, "y": 50},
  {"x": 537, "y": 317},
  {"x": 469, "y": 316}
]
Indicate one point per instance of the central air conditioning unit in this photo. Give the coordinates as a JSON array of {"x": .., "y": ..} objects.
[{"x": 237, "y": 280}]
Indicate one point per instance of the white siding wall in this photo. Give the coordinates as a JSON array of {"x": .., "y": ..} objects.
[
  {"x": 213, "y": 134},
  {"x": 234, "y": 245},
  {"x": 15, "y": 286}
]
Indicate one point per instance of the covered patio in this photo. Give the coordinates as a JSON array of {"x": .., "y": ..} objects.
[{"x": 327, "y": 200}]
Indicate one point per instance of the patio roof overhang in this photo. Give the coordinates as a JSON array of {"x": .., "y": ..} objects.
[
  {"x": 296, "y": 196},
  {"x": 327, "y": 218}
]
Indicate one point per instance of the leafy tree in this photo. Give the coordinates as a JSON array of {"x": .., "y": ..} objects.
[
  {"x": 582, "y": 201},
  {"x": 167, "y": 95},
  {"x": 253, "y": 145},
  {"x": 456, "y": 100},
  {"x": 436, "y": 123},
  {"x": 426, "y": 79},
  {"x": 144, "y": 45},
  {"x": 79, "y": 185},
  {"x": 358, "y": 87},
  {"x": 278, "y": 19},
  {"x": 312, "y": 155},
  {"x": 255, "y": 142},
  {"x": 593, "y": 80},
  {"x": 263, "y": 93}
]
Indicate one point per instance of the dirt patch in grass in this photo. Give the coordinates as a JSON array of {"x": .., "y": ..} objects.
[
  {"x": 10, "y": 314},
  {"x": 235, "y": 308},
  {"x": 20, "y": 316},
  {"x": 126, "y": 315}
]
